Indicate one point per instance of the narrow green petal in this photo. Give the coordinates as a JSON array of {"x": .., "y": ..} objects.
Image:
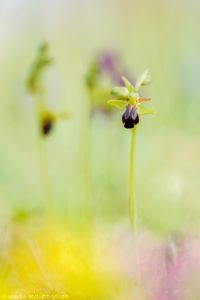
[
  {"x": 120, "y": 104},
  {"x": 128, "y": 85},
  {"x": 145, "y": 111},
  {"x": 143, "y": 80},
  {"x": 120, "y": 92}
]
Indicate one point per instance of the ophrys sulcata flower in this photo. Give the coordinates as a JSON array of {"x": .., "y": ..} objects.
[{"x": 127, "y": 97}]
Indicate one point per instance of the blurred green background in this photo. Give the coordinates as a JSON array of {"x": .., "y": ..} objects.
[{"x": 156, "y": 34}]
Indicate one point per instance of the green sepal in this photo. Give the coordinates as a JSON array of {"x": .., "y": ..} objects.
[
  {"x": 120, "y": 92},
  {"x": 128, "y": 85},
  {"x": 145, "y": 111},
  {"x": 143, "y": 80},
  {"x": 120, "y": 104}
]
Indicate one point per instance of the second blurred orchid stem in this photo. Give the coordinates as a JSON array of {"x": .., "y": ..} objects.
[{"x": 132, "y": 179}]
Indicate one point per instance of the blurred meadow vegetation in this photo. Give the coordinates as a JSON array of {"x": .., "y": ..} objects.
[{"x": 88, "y": 157}]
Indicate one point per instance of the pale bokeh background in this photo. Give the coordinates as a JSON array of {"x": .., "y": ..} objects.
[{"x": 161, "y": 35}]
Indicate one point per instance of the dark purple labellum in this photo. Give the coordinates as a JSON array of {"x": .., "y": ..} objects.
[
  {"x": 130, "y": 118},
  {"x": 47, "y": 125}
]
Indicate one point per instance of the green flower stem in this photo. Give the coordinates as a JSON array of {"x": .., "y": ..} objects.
[
  {"x": 86, "y": 204},
  {"x": 86, "y": 161},
  {"x": 132, "y": 188},
  {"x": 44, "y": 175},
  {"x": 43, "y": 161}
]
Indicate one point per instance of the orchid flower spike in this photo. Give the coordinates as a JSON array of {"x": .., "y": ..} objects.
[
  {"x": 48, "y": 120},
  {"x": 127, "y": 97},
  {"x": 41, "y": 63}
]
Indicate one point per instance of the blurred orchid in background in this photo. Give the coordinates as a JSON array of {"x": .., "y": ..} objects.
[
  {"x": 36, "y": 88},
  {"x": 104, "y": 71}
]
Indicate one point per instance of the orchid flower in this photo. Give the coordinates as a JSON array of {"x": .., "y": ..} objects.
[{"x": 127, "y": 97}]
